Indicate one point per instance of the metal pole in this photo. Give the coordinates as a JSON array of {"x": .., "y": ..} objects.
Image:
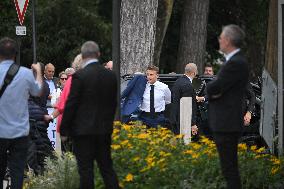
[
  {"x": 116, "y": 4},
  {"x": 280, "y": 77},
  {"x": 34, "y": 31},
  {"x": 18, "y": 58}
]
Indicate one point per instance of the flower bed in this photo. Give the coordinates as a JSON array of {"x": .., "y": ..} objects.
[{"x": 150, "y": 158}]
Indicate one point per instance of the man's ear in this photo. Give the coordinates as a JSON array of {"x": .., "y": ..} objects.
[{"x": 98, "y": 54}]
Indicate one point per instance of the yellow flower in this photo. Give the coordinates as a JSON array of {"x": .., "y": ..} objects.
[
  {"x": 115, "y": 131},
  {"x": 260, "y": 150},
  {"x": 196, "y": 146},
  {"x": 143, "y": 136},
  {"x": 179, "y": 136},
  {"x": 129, "y": 177},
  {"x": 115, "y": 137},
  {"x": 208, "y": 152},
  {"x": 205, "y": 140},
  {"x": 116, "y": 123},
  {"x": 136, "y": 158},
  {"x": 149, "y": 159},
  {"x": 126, "y": 127},
  {"x": 242, "y": 146},
  {"x": 253, "y": 148},
  {"x": 212, "y": 145},
  {"x": 195, "y": 156},
  {"x": 115, "y": 146},
  {"x": 274, "y": 170},
  {"x": 275, "y": 161},
  {"x": 124, "y": 142},
  {"x": 164, "y": 154},
  {"x": 188, "y": 152}
]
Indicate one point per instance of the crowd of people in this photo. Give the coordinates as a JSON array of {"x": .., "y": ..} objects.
[{"x": 83, "y": 102}]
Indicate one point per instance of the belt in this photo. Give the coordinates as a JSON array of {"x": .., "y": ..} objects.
[{"x": 148, "y": 114}]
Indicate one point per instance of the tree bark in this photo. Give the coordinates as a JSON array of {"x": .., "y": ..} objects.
[
  {"x": 271, "y": 45},
  {"x": 193, "y": 34},
  {"x": 138, "y": 27},
  {"x": 163, "y": 17}
]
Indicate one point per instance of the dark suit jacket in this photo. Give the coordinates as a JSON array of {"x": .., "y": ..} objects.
[
  {"x": 226, "y": 95},
  {"x": 133, "y": 94},
  {"x": 182, "y": 88},
  {"x": 91, "y": 104}
]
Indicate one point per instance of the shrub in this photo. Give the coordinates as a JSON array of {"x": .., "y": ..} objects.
[{"x": 155, "y": 158}]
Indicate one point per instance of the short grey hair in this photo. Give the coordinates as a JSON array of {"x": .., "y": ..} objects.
[
  {"x": 90, "y": 49},
  {"x": 235, "y": 34},
  {"x": 190, "y": 67}
]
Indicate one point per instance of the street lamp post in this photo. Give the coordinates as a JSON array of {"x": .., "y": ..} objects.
[{"x": 34, "y": 31}]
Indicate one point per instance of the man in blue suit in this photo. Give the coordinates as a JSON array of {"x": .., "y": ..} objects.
[
  {"x": 132, "y": 96},
  {"x": 155, "y": 98}
]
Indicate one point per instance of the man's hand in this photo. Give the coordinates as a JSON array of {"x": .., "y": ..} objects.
[
  {"x": 200, "y": 98},
  {"x": 36, "y": 67},
  {"x": 47, "y": 118},
  {"x": 247, "y": 119},
  {"x": 194, "y": 130},
  {"x": 38, "y": 75},
  {"x": 49, "y": 97}
]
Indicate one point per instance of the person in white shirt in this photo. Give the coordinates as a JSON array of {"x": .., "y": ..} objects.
[
  {"x": 57, "y": 91},
  {"x": 155, "y": 98}
]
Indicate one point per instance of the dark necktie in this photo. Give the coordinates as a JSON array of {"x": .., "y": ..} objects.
[{"x": 152, "y": 108}]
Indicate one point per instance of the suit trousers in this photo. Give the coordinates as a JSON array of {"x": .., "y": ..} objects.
[
  {"x": 88, "y": 148},
  {"x": 227, "y": 146},
  {"x": 15, "y": 158},
  {"x": 153, "y": 122}
]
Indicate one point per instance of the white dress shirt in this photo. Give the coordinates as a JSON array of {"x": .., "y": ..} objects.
[
  {"x": 228, "y": 56},
  {"x": 189, "y": 78},
  {"x": 162, "y": 96}
]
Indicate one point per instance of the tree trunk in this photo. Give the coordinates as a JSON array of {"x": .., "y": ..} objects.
[
  {"x": 193, "y": 34},
  {"x": 163, "y": 17},
  {"x": 138, "y": 27},
  {"x": 271, "y": 45}
]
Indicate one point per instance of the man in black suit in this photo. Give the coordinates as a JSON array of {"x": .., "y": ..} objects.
[
  {"x": 88, "y": 118},
  {"x": 183, "y": 88},
  {"x": 226, "y": 96}
]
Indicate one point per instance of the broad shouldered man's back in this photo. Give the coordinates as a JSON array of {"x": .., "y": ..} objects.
[{"x": 93, "y": 94}]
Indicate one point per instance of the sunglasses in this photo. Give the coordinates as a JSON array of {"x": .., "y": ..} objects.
[{"x": 63, "y": 78}]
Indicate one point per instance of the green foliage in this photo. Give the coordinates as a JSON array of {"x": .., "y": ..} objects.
[
  {"x": 60, "y": 174},
  {"x": 252, "y": 16},
  {"x": 151, "y": 159},
  {"x": 62, "y": 27}
]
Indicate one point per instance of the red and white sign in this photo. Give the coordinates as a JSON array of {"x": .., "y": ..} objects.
[{"x": 21, "y": 7}]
